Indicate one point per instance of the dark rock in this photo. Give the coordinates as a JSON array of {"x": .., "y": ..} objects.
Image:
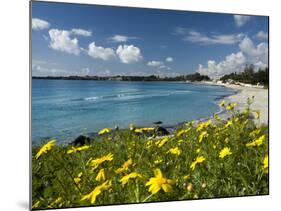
[
  {"x": 158, "y": 123},
  {"x": 81, "y": 140},
  {"x": 161, "y": 131}
]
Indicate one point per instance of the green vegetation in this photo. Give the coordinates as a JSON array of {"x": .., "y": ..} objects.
[
  {"x": 215, "y": 158},
  {"x": 191, "y": 77},
  {"x": 249, "y": 76}
]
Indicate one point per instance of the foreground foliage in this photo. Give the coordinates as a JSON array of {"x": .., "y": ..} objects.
[{"x": 214, "y": 158}]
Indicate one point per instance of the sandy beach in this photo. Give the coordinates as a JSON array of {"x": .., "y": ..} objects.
[{"x": 260, "y": 99}]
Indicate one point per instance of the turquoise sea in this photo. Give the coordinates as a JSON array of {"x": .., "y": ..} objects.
[{"x": 64, "y": 109}]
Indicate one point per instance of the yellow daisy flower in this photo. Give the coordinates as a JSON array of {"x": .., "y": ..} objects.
[
  {"x": 161, "y": 142},
  {"x": 104, "y": 131},
  {"x": 257, "y": 142},
  {"x": 77, "y": 149},
  {"x": 124, "y": 180},
  {"x": 199, "y": 159},
  {"x": 159, "y": 182},
  {"x": 96, "y": 162},
  {"x": 125, "y": 166},
  {"x": 100, "y": 176},
  {"x": 203, "y": 135},
  {"x": 45, "y": 148},
  {"x": 78, "y": 178},
  {"x": 97, "y": 191},
  {"x": 174, "y": 151},
  {"x": 224, "y": 152}
]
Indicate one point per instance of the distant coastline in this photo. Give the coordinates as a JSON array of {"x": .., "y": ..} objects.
[{"x": 191, "y": 77}]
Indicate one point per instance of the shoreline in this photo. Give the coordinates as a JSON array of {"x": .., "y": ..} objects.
[
  {"x": 260, "y": 102},
  {"x": 244, "y": 91}
]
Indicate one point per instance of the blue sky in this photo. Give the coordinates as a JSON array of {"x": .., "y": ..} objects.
[{"x": 73, "y": 39}]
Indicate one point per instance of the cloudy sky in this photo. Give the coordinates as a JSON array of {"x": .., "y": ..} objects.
[{"x": 72, "y": 39}]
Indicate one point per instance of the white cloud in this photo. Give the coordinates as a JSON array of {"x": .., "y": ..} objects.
[
  {"x": 60, "y": 40},
  {"x": 154, "y": 63},
  {"x": 169, "y": 59},
  {"x": 232, "y": 63},
  {"x": 99, "y": 52},
  {"x": 121, "y": 38},
  {"x": 158, "y": 65},
  {"x": 254, "y": 53},
  {"x": 227, "y": 39},
  {"x": 81, "y": 32},
  {"x": 241, "y": 20},
  {"x": 128, "y": 53},
  {"x": 39, "y": 24},
  {"x": 235, "y": 62},
  {"x": 262, "y": 35},
  {"x": 45, "y": 69}
]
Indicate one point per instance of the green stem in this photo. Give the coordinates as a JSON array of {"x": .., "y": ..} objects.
[
  {"x": 147, "y": 197},
  {"x": 137, "y": 192},
  {"x": 67, "y": 171}
]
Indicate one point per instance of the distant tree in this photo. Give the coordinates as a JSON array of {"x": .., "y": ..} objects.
[{"x": 248, "y": 75}]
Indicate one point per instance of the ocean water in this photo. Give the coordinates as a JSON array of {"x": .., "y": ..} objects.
[{"x": 64, "y": 109}]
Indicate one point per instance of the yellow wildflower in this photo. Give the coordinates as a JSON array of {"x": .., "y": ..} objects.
[
  {"x": 95, "y": 163},
  {"x": 104, "y": 131},
  {"x": 186, "y": 177},
  {"x": 183, "y": 131},
  {"x": 229, "y": 123},
  {"x": 174, "y": 151},
  {"x": 149, "y": 144},
  {"x": 97, "y": 191},
  {"x": 125, "y": 166},
  {"x": 78, "y": 178},
  {"x": 100, "y": 176},
  {"x": 44, "y": 149},
  {"x": 158, "y": 161},
  {"x": 203, "y": 125},
  {"x": 124, "y": 180},
  {"x": 160, "y": 143},
  {"x": 265, "y": 164},
  {"x": 77, "y": 149},
  {"x": 198, "y": 150},
  {"x": 159, "y": 182},
  {"x": 199, "y": 159},
  {"x": 255, "y": 132},
  {"x": 222, "y": 103},
  {"x": 145, "y": 129},
  {"x": 224, "y": 152},
  {"x": 231, "y": 106},
  {"x": 204, "y": 134},
  {"x": 257, "y": 142}
]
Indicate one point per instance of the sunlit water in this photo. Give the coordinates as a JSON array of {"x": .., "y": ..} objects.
[{"x": 64, "y": 109}]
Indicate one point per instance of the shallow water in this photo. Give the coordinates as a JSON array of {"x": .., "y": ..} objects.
[{"x": 63, "y": 109}]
